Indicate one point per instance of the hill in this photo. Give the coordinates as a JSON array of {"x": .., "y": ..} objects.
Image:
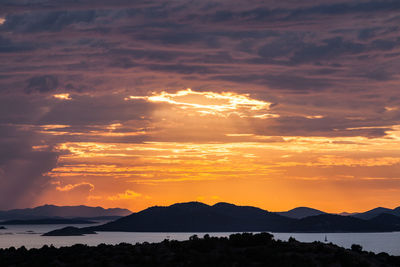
[
  {"x": 198, "y": 217},
  {"x": 338, "y": 223},
  {"x": 372, "y": 213},
  {"x": 386, "y": 219},
  {"x": 49, "y": 211},
  {"x": 300, "y": 212},
  {"x": 224, "y": 217}
]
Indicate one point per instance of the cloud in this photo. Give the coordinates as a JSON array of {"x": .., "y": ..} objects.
[
  {"x": 9, "y": 46},
  {"x": 128, "y": 194},
  {"x": 53, "y": 21},
  {"x": 42, "y": 84},
  {"x": 262, "y": 73},
  {"x": 85, "y": 186},
  {"x": 207, "y": 102}
]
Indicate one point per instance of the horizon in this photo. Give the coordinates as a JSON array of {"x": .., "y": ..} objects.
[
  {"x": 212, "y": 204},
  {"x": 272, "y": 104}
]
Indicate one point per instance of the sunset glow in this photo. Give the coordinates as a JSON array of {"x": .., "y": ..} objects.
[{"x": 138, "y": 104}]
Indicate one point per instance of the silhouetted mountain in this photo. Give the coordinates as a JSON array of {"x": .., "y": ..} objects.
[
  {"x": 46, "y": 221},
  {"x": 375, "y": 212},
  {"x": 2, "y": 228},
  {"x": 224, "y": 217},
  {"x": 386, "y": 219},
  {"x": 99, "y": 218},
  {"x": 198, "y": 217},
  {"x": 347, "y": 213},
  {"x": 70, "y": 231},
  {"x": 337, "y": 223},
  {"x": 48, "y": 211},
  {"x": 300, "y": 212}
]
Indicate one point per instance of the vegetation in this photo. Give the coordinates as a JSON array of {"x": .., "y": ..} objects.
[{"x": 237, "y": 250}]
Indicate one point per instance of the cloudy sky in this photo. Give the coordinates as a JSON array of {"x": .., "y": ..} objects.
[{"x": 275, "y": 104}]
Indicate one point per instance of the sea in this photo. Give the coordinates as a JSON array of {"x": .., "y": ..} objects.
[{"x": 30, "y": 236}]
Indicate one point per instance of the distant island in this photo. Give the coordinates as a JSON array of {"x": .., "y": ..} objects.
[
  {"x": 53, "y": 211},
  {"x": 225, "y": 217},
  {"x": 236, "y": 250},
  {"x": 46, "y": 221},
  {"x": 70, "y": 231},
  {"x": 2, "y": 228}
]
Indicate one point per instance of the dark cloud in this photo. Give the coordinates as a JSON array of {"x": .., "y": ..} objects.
[
  {"x": 47, "y": 21},
  {"x": 330, "y": 49},
  {"x": 8, "y": 46},
  {"x": 42, "y": 84}
]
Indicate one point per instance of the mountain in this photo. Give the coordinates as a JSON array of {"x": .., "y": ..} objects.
[
  {"x": 225, "y": 217},
  {"x": 338, "y": 223},
  {"x": 46, "y": 221},
  {"x": 51, "y": 211},
  {"x": 300, "y": 212},
  {"x": 375, "y": 212},
  {"x": 198, "y": 217},
  {"x": 347, "y": 213},
  {"x": 386, "y": 219}
]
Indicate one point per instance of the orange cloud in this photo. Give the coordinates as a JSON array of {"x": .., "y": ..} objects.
[
  {"x": 128, "y": 194},
  {"x": 63, "y": 96},
  {"x": 70, "y": 187},
  {"x": 212, "y": 103}
]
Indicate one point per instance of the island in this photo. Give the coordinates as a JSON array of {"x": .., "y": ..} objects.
[
  {"x": 70, "y": 231},
  {"x": 47, "y": 221},
  {"x": 2, "y": 228}
]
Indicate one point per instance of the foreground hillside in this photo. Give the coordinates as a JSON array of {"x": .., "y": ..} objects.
[{"x": 237, "y": 250}]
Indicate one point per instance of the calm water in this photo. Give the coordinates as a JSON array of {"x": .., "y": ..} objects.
[{"x": 30, "y": 237}]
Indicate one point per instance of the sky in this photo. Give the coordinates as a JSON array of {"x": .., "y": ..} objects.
[{"x": 274, "y": 104}]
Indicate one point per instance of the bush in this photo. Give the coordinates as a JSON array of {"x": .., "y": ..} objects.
[{"x": 356, "y": 248}]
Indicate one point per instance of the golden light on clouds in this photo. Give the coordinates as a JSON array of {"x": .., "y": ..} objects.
[
  {"x": 128, "y": 194},
  {"x": 70, "y": 187},
  {"x": 210, "y": 102},
  {"x": 63, "y": 96},
  {"x": 153, "y": 169},
  {"x": 196, "y": 145}
]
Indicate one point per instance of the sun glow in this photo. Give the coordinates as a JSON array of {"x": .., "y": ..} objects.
[
  {"x": 210, "y": 102},
  {"x": 62, "y": 96}
]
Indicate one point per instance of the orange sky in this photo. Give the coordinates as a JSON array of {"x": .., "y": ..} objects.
[{"x": 230, "y": 163}]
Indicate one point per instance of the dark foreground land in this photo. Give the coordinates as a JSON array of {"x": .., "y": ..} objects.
[{"x": 237, "y": 250}]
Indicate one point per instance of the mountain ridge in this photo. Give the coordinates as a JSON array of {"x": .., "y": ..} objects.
[
  {"x": 54, "y": 211},
  {"x": 301, "y": 212},
  {"x": 225, "y": 217}
]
